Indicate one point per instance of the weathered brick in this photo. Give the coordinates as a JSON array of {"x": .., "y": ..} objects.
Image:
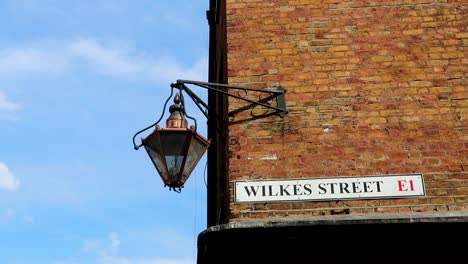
[{"x": 373, "y": 88}]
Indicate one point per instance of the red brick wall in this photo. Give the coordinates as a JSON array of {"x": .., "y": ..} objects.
[{"x": 374, "y": 87}]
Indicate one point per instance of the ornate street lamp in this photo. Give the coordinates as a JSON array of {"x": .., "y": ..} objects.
[{"x": 176, "y": 149}]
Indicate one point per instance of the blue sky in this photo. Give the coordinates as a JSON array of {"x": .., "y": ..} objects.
[{"x": 77, "y": 79}]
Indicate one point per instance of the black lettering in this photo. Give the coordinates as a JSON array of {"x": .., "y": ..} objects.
[
  {"x": 270, "y": 191},
  {"x": 297, "y": 189},
  {"x": 332, "y": 187},
  {"x": 356, "y": 187},
  {"x": 323, "y": 190},
  {"x": 252, "y": 190},
  {"x": 283, "y": 190},
  {"x": 263, "y": 190},
  {"x": 378, "y": 185},
  {"x": 344, "y": 187},
  {"x": 307, "y": 189},
  {"x": 367, "y": 187}
]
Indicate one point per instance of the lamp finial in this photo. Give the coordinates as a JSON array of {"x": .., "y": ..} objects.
[{"x": 177, "y": 118}]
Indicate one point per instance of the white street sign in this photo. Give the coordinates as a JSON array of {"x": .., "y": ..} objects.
[{"x": 365, "y": 187}]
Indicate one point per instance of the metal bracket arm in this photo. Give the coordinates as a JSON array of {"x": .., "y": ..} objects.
[{"x": 277, "y": 93}]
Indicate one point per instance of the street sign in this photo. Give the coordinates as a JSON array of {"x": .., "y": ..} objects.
[{"x": 337, "y": 188}]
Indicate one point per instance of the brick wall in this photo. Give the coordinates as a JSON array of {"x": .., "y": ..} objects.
[{"x": 374, "y": 87}]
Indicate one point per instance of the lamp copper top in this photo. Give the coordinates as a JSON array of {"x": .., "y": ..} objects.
[{"x": 177, "y": 118}]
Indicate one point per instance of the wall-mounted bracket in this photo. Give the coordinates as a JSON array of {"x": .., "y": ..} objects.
[{"x": 277, "y": 94}]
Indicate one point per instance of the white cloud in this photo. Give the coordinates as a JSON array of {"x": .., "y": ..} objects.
[
  {"x": 107, "y": 60},
  {"x": 172, "y": 240},
  {"x": 9, "y": 213},
  {"x": 28, "y": 219},
  {"x": 115, "y": 61},
  {"x": 114, "y": 242},
  {"x": 7, "y": 180},
  {"x": 169, "y": 70},
  {"x": 108, "y": 247},
  {"x": 107, "y": 252},
  {"x": 7, "y": 105},
  {"x": 32, "y": 60},
  {"x": 121, "y": 62},
  {"x": 124, "y": 260}
]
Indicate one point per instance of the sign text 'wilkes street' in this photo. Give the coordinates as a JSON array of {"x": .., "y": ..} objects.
[{"x": 329, "y": 188}]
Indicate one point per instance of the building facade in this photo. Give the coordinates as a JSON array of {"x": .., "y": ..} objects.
[{"x": 376, "y": 97}]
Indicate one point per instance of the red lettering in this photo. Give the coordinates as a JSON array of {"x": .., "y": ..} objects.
[{"x": 402, "y": 186}]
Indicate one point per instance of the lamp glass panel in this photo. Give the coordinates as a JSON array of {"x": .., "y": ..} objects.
[
  {"x": 196, "y": 150},
  {"x": 174, "y": 145},
  {"x": 153, "y": 145}
]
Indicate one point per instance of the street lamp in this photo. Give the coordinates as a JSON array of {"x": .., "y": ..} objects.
[{"x": 176, "y": 149}]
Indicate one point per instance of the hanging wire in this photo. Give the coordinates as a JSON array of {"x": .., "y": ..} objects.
[
  {"x": 205, "y": 175},
  {"x": 195, "y": 213},
  {"x": 135, "y": 146},
  {"x": 182, "y": 100}
]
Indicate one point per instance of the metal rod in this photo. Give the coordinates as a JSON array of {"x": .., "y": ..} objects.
[
  {"x": 206, "y": 86},
  {"x": 135, "y": 146},
  {"x": 183, "y": 109},
  {"x": 236, "y": 87},
  {"x": 197, "y": 100},
  {"x": 277, "y": 93}
]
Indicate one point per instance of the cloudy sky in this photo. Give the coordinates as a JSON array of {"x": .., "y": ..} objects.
[{"x": 77, "y": 79}]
